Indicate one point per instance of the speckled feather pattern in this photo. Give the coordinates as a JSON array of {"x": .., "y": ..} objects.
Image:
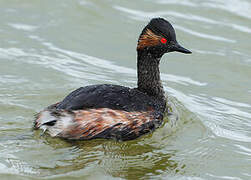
[{"x": 97, "y": 123}]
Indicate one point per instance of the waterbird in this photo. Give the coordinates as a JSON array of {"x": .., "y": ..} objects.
[{"x": 112, "y": 111}]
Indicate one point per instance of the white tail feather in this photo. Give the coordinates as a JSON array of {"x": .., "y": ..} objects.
[{"x": 62, "y": 121}]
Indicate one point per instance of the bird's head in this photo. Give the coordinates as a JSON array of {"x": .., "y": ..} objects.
[{"x": 158, "y": 38}]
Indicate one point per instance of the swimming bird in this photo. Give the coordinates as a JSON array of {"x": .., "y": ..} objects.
[{"x": 112, "y": 111}]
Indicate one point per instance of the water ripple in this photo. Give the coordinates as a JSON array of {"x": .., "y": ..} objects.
[
  {"x": 224, "y": 117},
  {"x": 237, "y": 7},
  {"x": 140, "y": 15},
  {"x": 67, "y": 62},
  {"x": 24, "y": 27},
  {"x": 203, "y": 35},
  {"x": 212, "y": 138}
]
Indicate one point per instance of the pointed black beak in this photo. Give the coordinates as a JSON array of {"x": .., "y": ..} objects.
[{"x": 179, "y": 48}]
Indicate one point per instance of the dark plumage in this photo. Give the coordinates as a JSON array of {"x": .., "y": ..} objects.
[
  {"x": 109, "y": 96},
  {"x": 112, "y": 111}
]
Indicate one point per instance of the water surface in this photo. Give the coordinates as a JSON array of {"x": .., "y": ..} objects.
[{"x": 49, "y": 48}]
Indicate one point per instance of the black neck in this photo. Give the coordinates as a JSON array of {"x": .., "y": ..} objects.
[{"x": 149, "y": 75}]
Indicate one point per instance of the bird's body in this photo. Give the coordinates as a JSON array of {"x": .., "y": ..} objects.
[
  {"x": 112, "y": 111},
  {"x": 102, "y": 111}
]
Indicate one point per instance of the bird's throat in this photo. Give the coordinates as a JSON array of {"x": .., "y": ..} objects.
[{"x": 149, "y": 75}]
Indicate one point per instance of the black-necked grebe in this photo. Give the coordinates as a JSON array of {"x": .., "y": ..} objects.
[{"x": 112, "y": 111}]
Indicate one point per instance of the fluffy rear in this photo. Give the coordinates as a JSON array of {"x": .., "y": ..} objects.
[
  {"x": 54, "y": 121},
  {"x": 96, "y": 123}
]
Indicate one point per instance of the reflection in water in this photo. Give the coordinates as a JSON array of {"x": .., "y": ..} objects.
[{"x": 118, "y": 159}]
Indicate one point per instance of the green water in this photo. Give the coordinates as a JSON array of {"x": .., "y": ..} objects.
[{"x": 49, "y": 48}]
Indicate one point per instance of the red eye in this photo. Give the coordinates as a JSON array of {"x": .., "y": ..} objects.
[{"x": 163, "y": 40}]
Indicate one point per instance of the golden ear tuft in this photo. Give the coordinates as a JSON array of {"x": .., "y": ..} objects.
[{"x": 149, "y": 38}]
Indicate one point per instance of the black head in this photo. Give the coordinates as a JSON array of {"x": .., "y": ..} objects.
[{"x": 159, "y": 37}]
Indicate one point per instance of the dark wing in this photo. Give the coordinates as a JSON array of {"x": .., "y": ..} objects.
[{"x": 108, "y": 96}]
